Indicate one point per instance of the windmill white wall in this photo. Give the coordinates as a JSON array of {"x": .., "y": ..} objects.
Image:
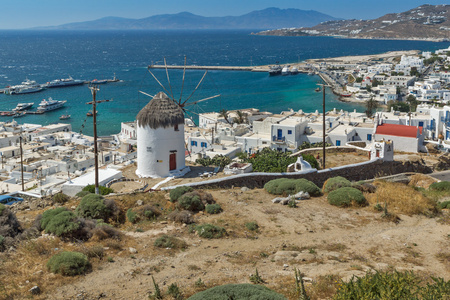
[{"x": 160, "y": 139}]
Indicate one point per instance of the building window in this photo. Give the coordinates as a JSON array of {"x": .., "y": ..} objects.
[
  {"x": 338, "y": 142},
  {"x": 193, "y": 143},
  {"x": 289, "y": 131},
  {"x": 421, "y": 124},
  {"x": 175, "y": 127},
  {"x": 203, "y": 144},
  {"x": 369, "y": 137}
]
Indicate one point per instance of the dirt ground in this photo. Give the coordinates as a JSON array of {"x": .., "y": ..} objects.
[{"x": 317, "y": 238}]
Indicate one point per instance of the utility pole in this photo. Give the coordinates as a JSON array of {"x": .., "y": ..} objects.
[
  {"x": 21, "y": 163},
  {"x": 323, "y": 125},
  {"x": 94, "y": 89}
]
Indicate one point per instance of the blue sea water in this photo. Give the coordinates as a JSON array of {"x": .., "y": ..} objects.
[{"x": 48, "y": 55}]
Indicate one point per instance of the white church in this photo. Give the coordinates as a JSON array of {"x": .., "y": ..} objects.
[{"x": 160, "y": 139}]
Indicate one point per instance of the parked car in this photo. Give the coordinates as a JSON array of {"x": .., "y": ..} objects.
[{"x": 8, "y": 200}]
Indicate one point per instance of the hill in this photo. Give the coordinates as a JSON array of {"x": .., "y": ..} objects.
[
  {"x": 426, "y": 22},
  {"x": 269, "y": 18}
]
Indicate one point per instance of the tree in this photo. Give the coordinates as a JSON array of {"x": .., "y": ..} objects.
[
  {"x": 371, "y": 107},
  {"x": 359, "y": 79},
  {"x": 241, "y": 117},
  {"x": 398, "y": 106},
  {"x": 224, "y": 113},
  {"x": 412, "y": 102}
]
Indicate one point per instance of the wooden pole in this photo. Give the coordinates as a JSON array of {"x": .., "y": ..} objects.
[
  {"x": 21, "y": 164},
  {"x": 323, "y": 125},
  {"x": 94, "y": 90}
]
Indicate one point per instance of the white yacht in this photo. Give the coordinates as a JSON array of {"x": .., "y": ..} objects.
[
  {"x": 23, "y": 106},
  {"x": 64, "y": 82},
  {"x": 50, "y": 104},
  {"x": 27, "y": 86}
]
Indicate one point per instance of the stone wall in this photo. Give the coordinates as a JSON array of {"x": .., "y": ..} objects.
[{"x": 355, "y": 172}]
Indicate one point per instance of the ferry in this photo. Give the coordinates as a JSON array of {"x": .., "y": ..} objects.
[
  {"x": 64, "y": 82},
  {"x": 294, "y": 71},
  {"x": 50, "y": 104},
  {"x": 96, "y": 81},
  {"x": 27, "y": 87},
  {"x": 23, "y": 106}
]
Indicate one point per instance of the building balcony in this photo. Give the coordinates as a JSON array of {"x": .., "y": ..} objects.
[{"x": 279, "y": 140}]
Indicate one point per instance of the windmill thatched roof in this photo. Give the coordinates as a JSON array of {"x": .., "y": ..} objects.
[{"x": 161, "y": 111}]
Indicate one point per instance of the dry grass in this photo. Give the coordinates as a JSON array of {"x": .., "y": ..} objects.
[
  {"x": 421, "y": 180},
  {"x": 401, "y": 199}
]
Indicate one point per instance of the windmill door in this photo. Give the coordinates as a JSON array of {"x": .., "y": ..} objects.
[{"x": 172, "y": 161}]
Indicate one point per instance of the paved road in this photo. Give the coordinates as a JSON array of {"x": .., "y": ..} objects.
[{"x": 443, "y": 176}]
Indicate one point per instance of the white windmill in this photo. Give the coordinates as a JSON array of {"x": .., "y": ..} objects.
[{"x": 160, "y": 131}]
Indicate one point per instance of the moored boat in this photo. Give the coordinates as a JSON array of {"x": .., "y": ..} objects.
[
  {"x": 27, "y": 87},
  {"x": 64, "y": 82},
  {"x": 285, "y": 71},
  {"x": 96, "y": 81},
  {"x": 346, "y": 94},
  {"x": 50, "y": 104},
  {"x": 275, "y": 70},
  {"x": 23, "y": 106},
  {"x": 64, "y": 117},
  {"x": 294, "y": 70},
  {"x": 90, "y": 114}
]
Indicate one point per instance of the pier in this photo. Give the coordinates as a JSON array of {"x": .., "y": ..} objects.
[{"x": 301, "y": 67}]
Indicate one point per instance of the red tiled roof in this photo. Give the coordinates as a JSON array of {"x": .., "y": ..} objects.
[{"x": 398, "y": 130}]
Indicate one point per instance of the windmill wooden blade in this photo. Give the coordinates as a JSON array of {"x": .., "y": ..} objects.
[
  {"x": 157, "y": 80},
  {"x": 168, "y": 79},
  {"x": 182, "y": 82},
  {"x": 201, "y": 100},
  {"x": 200, "y": 82},
  {"x": 146, "y": 94}
]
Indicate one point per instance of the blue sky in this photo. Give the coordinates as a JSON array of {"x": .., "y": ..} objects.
[{"x": 18, "y": 14}]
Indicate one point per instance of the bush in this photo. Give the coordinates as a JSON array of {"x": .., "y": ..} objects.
[
  {"x": 311, "y": 160},
  {"x": 68, "y": 263},
  {"x": 238, "y": 291},
  {"x": 268, "y": 160},
  {"x": 288, "y": 186},
  {"x": 334, "y": 183},
  {"x": 60, "y": 222},
  {"x": 443, "y": 186},
  {"x": 103, "y": 190},
  {"x": 167, "y": 241},
  {"x": 132, "y": 216},
  {"x": 191, "y": 201},
  {"x": 209, "y": 231},
  {"x": 178, "y": 192},
  {"x": 61, "y": 198},
  {"x": 392, "y": 285},
  {"x": 82, "y": 194},
  {"x": 445, "y": 204},
  {"x": 346, "y": 196},
  {"x": 105, "y": 231},
  {"x": 183, "y": 216},
  {"x": 9, "y": 225},
  {"x": 213, "y": 209},
  {"x": 252, "y": 226},
  {"x": 2, "y": 208},
  {"x": 95, "y": 207}
]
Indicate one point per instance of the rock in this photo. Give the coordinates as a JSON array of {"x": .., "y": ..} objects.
[
  {"x": 245, "y": 189},
  {"x": 285, "y": 201},
  {"x": 139, "y": 203},
  {"x": 35, "y": 290},
  {"x": 285, "y": 255},
  {"x": 302, "y": 195},
  {"x": 277, "y": 200},
  {"x": 132, "y": 250},
  {"x": 305, "y": 257}
]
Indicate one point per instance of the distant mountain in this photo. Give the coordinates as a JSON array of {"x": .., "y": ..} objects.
[
  {"x": 426, "y": 22},
  {"x": 269, "y": 18}
]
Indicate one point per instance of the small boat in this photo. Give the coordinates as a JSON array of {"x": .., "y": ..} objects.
[
  {"x": 19, "y": 114},
  {"x": 311, "y": 73},
  {"x": 7, "y": 113},
  {"x": 96, "y": 81},
  {"x": 90, "y": 114},
  {"x": 346, "y": 95},
  {"x": 64, "y": 117},
  {"x": 23, "y": 106},
  {"x": 285, "y": 71},
  {"x": 294, "y": 71},
  {"x": 275, "y": 70},
  {"x": 317, "y": 90}
]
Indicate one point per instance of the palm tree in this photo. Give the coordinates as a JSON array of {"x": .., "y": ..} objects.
[
  {"x": 241, "y": 117},
  {"x": 224, "y": 113},
  {"x": 371, "y": 107}
]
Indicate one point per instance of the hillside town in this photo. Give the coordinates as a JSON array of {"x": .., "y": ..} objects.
[{"x": 411, "y": 95}]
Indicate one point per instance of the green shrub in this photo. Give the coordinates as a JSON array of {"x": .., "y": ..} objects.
[
  {"x": 191, "y": 201},
  {"x": 392, "y": 285},
  {"x": 346, "y": 196},
  {"x": 269, "y": 160},
  {"x": 60, "y": 222},
  {"x": 238, "y": 291},
  {"x": 178, "y": 192},
  {"x": 2, "y": 241},
  {"x": 312, "y": 160},
  {"x": 174, "y": 291},
  {"x": 132, "y": 216},
  {"x": 288, "y": 186},
  {"x": 103, "y": 190},
  {"x": 2, "y": 208},
  {"x": 93, "y": 206},
  {"x": 68, "y": 263},
  {"x": 445, "y": 204},
  {"x": 252, "y": 226},
  {"x": 209, "y": 231},
  {"x": 61, "y": 198},
  {"x": 167, "y": 241},
  {"x": 443, "y": 186},
  {"x": 82, "y": 194},
  {"x": 334, "y": 183},
  {"x": 213, "y": 209}
]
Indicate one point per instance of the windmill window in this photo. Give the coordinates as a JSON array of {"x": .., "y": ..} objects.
[{"x": 176, "y": 127}]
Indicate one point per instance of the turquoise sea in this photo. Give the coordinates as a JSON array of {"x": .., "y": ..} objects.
[{"x": 48, "y": 55}]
